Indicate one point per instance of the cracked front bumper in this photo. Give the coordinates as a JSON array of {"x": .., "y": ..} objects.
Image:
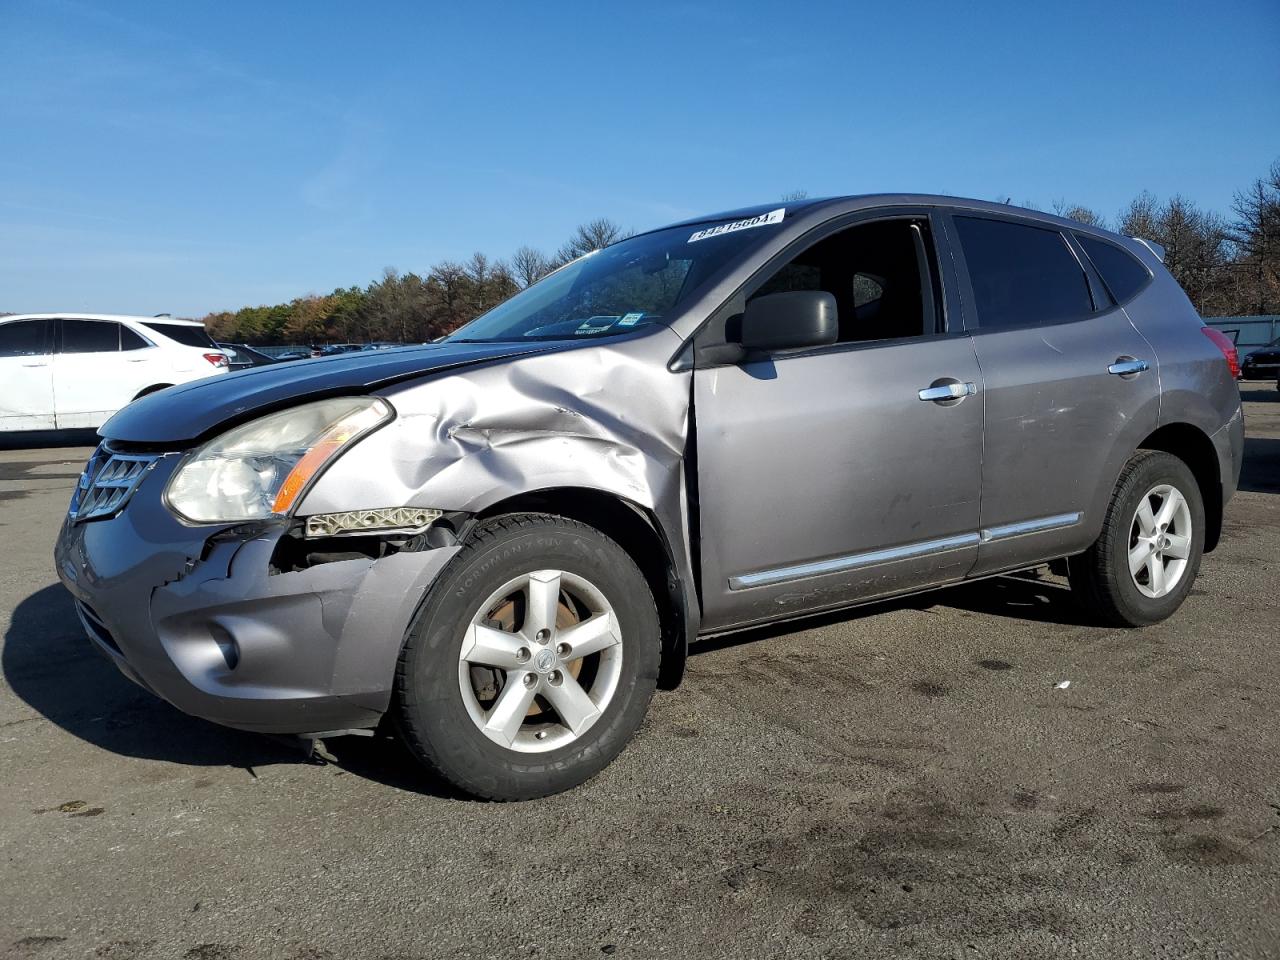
[{"x": 195, "y": 615}]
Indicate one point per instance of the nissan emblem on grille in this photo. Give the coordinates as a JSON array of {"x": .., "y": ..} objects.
[{"x": 108, "y": 481}]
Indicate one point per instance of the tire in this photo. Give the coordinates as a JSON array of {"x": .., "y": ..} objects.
[
  {"x": 1102, "y": 577},
  {"x": 451, "y": 710}
]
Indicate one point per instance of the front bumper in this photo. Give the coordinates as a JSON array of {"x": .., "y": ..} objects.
[
  {"x": 1259, "y": 370},
  {"x": 196, "y": 616}
]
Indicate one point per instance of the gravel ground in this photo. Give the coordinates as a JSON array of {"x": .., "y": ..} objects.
[{"x": 905, "y": 780}]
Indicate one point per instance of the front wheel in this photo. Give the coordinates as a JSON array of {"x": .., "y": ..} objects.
[
  {"x": 1143, "y": 564},
  {"x": 532, "y": 661}
]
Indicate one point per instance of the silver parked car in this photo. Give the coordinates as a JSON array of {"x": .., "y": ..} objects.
[{"x": 504, "y": 541}]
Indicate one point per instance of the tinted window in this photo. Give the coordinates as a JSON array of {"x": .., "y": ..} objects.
[
  {"x": 188, "y": 336},
  {"x": 22, "y": 338},
  {"x": 1022, "y": 274},
  {"x": 873, "y": 270},
  {"x": 90, "y": 336},
  {"x": 1122, "y": 272},
  {"x": 130, "y": 340}
]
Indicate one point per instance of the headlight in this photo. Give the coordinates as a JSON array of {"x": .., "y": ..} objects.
[{"x": 262, "y": 468}]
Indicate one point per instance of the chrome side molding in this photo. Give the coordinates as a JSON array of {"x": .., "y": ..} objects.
[
  {"x": 799, "y": 571},
  {"x": 1039, "y": 525},
  {"x": 817, "y": 568}
]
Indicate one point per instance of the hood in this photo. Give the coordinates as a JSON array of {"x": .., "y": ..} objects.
[
  {"x": 193, "y": 410},
  {"x": 1263, "y": 353}
]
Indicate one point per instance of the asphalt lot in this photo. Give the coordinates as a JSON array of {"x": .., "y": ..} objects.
[{"x": 906, "y": 780}]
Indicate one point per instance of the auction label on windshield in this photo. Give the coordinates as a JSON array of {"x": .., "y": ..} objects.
[{"x": 763, "y": 220}]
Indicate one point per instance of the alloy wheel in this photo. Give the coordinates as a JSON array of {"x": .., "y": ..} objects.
[
  {"x": 1160, "y": 541},
  {"x": 540, "y": 662}
]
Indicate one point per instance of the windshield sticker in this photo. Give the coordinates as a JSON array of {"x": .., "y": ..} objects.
[
  {"x": 595, "y": 325},
  {"x": 763, "y": 220},
  {"x": 630, "y": 319}
]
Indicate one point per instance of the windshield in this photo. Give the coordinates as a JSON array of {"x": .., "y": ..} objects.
[{"x": 629, "y": 286}]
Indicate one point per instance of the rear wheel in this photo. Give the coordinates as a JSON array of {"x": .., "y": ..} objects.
[
  {"x": 532, "y": 662},
  {"x": 1143, "y": 564}
]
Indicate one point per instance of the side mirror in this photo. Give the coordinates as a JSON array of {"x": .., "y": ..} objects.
[{"x": 790, "y": 321}]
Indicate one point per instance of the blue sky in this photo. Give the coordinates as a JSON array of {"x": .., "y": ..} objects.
[{"x": 189, "y": 157}]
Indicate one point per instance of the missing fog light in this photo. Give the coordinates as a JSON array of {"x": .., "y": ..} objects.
[
  {"x": 227, "y": 645},
  {"x": 398, "y": 519}
]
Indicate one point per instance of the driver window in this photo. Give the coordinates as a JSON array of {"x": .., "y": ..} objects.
[{"x": 883, "y": 291}]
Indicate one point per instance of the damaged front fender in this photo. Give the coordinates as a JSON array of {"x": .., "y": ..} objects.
[{"x": 606, "y": 418}]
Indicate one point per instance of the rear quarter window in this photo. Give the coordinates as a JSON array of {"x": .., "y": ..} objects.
[
  {"x": 1022, "y": 275},
  {"x": 1121, "y": 271},
  {"x": 188, "y": 336}
]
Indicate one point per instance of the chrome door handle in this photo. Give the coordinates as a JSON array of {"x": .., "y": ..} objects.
[
  {"x": 1128, "y": 366},
  {"x": 948, "y": 391}
]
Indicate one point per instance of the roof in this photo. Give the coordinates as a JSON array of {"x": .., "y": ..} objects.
[
  {"x": 861, "y": 200},
  {"x": 77, "y": 315}
]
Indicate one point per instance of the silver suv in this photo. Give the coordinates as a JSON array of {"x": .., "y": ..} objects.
[{"x": 503, "y": 542}]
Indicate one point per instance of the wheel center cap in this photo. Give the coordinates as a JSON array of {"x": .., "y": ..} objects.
[{"x": 544, "y": 661}]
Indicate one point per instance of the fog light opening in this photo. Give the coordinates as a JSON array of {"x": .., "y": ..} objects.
[{"x": 227, "y": 645}]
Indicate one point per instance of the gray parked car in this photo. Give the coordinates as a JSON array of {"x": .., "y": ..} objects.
[{"x": 504, "y": 541}]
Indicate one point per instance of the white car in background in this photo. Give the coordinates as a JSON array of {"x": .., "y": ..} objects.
[{"x": 64, "y": 371}]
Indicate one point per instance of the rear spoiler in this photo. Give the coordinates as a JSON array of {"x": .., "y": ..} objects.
[{"x": 1153, "y": 247}]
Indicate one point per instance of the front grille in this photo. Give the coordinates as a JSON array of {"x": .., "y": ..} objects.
[
  {"x": 107, "y": 483},
  {"x": 94, "y": 626}
]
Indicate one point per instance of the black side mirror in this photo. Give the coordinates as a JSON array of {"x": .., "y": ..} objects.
[{"x": 790, "y": 321}]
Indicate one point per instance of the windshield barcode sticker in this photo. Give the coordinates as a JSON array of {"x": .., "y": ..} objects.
[{"x": 763, "y": 220}]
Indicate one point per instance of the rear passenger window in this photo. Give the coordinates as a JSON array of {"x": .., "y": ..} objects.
[
  {"x": 90, "y": 336},
  {"x": 24, "y": 338},
  {"x": 1022, "y": 275},
  {"x": 1121, "y": 271}
]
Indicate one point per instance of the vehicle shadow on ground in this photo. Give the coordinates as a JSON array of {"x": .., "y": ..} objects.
[
  {"x": 1017, "y": 597},
  {"x": 1260, "y": 472},
  {"x": 52, "y": 666},
  {"x": 35, "y": 439}
]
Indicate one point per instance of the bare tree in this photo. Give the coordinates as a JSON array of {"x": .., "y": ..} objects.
[
  {"x": 593, "y": 235},
  {"x": 795, "y": 195},
  {"x": 1255, "y": 234},
  {"x": 1076, "y": 211},
  {"x": 529, "y": 266},
  {"x": 1195, "y": 244},
  {"x": 1139, "y": 218}
]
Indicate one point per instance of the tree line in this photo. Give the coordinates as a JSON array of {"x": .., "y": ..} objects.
[
  {"x": 407, "y": 307},
  {"x": 1228, "y": 264}
]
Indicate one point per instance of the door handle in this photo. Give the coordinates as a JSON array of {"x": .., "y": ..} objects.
[
  {"x": 940, "y": 393},
  {"x": 1128, "y": 367}
]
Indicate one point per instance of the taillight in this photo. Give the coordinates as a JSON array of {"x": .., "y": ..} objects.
[
  {"x": 1223, "y": 343},
  {"x": 217, "y": 359}
]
